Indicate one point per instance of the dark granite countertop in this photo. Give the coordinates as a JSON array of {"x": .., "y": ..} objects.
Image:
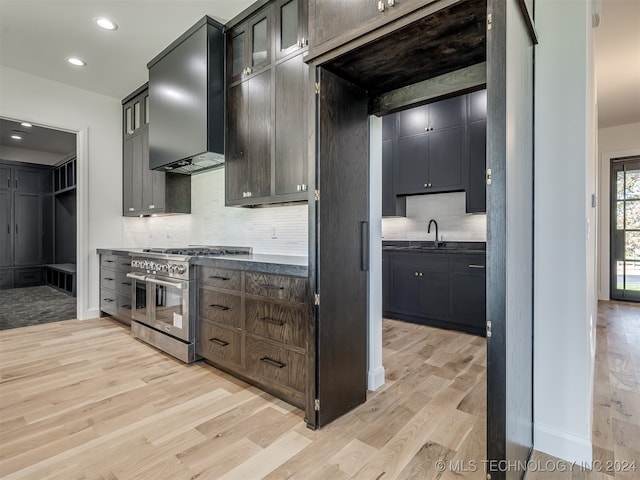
[
  {"x": 429, "y": 247},
  {"x": 277, "y": 264}
]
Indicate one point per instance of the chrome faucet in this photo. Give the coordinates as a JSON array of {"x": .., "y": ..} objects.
[{"x": 435, "y": 242}]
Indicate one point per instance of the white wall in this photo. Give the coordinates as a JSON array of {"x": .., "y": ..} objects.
[
  {"x": 564, "y": 238},
  {"x": 448, "y": 209},
  {"x": 614, "y": 142},
  {"x": 96, "y": 118}
]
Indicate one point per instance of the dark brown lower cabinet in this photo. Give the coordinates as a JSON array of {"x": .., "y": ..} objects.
[
  {"x": 115, "y": 287},
  {"x": 436, "y": 289},
  {"x": 255, "y": 325}
]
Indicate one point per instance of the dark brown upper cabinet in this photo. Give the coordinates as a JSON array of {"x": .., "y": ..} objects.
[
  {"x": 290, "y": 27},
  {"x": 266, "y": 160},
  {"x": 249, "y": 47},
  {"x": 332, "y": 23},
  {"x": 431, "y": 147},
  {"x": 135, "y": 115}
]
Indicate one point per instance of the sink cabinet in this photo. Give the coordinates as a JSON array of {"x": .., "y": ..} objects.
[{"x": 441, "y": 289}]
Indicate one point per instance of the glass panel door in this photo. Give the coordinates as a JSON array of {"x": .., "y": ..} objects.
[
  {"x": 625, "y": 229},
  {"x": 140, "y": 305},
  {"x": 170, "y": 311}
]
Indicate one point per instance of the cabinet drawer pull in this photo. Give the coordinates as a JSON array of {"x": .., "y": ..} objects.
[
  {"x": 280, "y": 323},
  {"x": 271, "y": 287},
  {"x": 125, "y": 283},
  {"x": 217, "y": 341},
  {"x": 273, "y": 363},
  {"x": 109, "y": 279},
  {"x": 108, "y": 261},
  {"x": 109, "y": 300},
  {"x": 216, "y": 277},
  {"x": 127, "y": 307},
  {"x": 219, "y": 307},
  {"x": 476, "y": 266}
]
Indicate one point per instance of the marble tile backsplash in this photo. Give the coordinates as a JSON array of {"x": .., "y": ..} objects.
[
  {"x": 273, "y": 230},
  {"x": 448, "y": 209}
]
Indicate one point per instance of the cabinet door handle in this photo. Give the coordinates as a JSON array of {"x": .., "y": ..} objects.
[
  {"x": 219, "y": 307},
  {"x": 108, "y": 300},
  {"x": 16, "y": 228},
  {"x": 16, "y": 183},
  {"x": 476, "y": 266},
  {"x": 273, "y": 363},
  {"x": 391, "y": 3},
  {"x": 271, "y": 287},
  {"x": 280, "y": 323},
  {"x": 216, "y": 277},
  {"x": 8, "y": 228},
  {"x": 217, "y": 341},
  {"x": 364, "y": 246}
]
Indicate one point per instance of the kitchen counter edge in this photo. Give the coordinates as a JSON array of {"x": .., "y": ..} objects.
[{"x": 427, "y": 247}]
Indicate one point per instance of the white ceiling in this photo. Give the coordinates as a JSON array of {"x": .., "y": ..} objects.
[
  {"x": 38, "y": 144},
  {"x": 617, "y": 58},
  {"x": 36, "y": 36}
]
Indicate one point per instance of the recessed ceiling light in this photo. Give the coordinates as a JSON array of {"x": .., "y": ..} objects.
[
  {"x": 106, "y": 23},
  {"x": 16, "y": 137},
  {"x": 26, "y": 124},
  {"x": 77, "y": 62}
]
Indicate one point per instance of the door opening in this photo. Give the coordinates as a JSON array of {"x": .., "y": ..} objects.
[{"x": 625, "y": 229}]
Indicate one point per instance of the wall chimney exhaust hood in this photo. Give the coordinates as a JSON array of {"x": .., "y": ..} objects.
[{"x": 186, "y": 98}]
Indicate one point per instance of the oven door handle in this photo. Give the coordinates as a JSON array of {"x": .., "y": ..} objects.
[
  {"x": 135, "y": 276},
  {"x": 166, "y": 283}
]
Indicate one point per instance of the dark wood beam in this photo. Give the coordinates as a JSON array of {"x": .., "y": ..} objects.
[{"x": 457, "y": 82}]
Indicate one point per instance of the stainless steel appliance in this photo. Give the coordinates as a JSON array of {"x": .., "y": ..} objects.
[{"x": 163, "y": 299}]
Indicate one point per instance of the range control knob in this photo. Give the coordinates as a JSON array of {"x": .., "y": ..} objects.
[
  {"x": 180, "y": 269},
  {"x": 134, "y": 263}
]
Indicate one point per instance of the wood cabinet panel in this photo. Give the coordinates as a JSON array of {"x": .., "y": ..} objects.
[
  {"x": 445, "y": 160},
  {"x": 219, "y": 344},
  {"x": 275, "y": 365},
  {"x": 281, "y": 287},
  {"x": 220, "y": 278},
  {"x": 108, "y": 301},
  {"x": 290, "y": 142},
  {"x": 285, "y": 324},
  {"x": 476, "y": 199},
  {"x": 260, "y": 135},
  {"x": 28, "y": 277},
  {"x": 331, "y": 18},
  {"x": 28, "y": 229},
  {"x": 6, "y": 232},
  {"x": 221, "y": 307},
  {"x": 123, "y": 284},
  {"x": 108, "y": 279}
]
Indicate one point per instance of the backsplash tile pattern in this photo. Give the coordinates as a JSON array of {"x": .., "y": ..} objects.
[
  {"x": 211, "y": 223},
  {"x": 448, "y": 209}
]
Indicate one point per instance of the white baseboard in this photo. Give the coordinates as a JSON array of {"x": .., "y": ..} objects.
[
  {"x": 564, "y": 445},
  {"x": 91, "y": 313},
  {"x": 375, "y": 378}
]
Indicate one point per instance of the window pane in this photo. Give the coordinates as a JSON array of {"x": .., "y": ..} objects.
[
  {"x": 289, "y": 25},
  {"x": 619, "y": 185},
  {"x": 619, "y": 275},
  {"x": 633, "y": 214},
  {"x": 632, "y": 246},
  {"x": 620, "y": 215},
  {"x": 633, "y": 184},
  {"x": 237, "y": 54},
  {"x": 259, "y": 47},
  {"x": 633, "y": 276}
]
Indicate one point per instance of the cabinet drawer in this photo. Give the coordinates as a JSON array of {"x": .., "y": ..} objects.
[
  {"x": 108, "y": 279},
  {"x": 123, "y": 284},
  {"x": 124, "y": 306},
  {"x": 108, "y": 301},
  {"x": 221, "y": 307},
  {"x": 278, "y": 322},
  {"x": 219, "y": 278},
  {"x": 28, "y": 277},
  {"x": 108, "y": 261},
  {"x": 124, "y": 263},
  {"x": 275, "y": 365},
  {"x": 218, "y": 344},
  {"x": 281, "y": 287},
  {"x": 469, "y": 263}
]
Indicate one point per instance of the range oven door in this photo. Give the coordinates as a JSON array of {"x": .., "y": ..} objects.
[
  {"x": 169, "y": 308},
  {"x": 141, "y": 296}
]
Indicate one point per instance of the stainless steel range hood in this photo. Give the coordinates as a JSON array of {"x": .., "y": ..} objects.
[{"x": 186, "y": 98}]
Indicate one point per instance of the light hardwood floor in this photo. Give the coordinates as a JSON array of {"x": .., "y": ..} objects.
[
  {"x": 83, "y": 400},
  {"x": 616, "y": 403}
]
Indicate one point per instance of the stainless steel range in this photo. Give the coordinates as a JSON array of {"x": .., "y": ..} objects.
[{"x": 163, "y": 310}]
